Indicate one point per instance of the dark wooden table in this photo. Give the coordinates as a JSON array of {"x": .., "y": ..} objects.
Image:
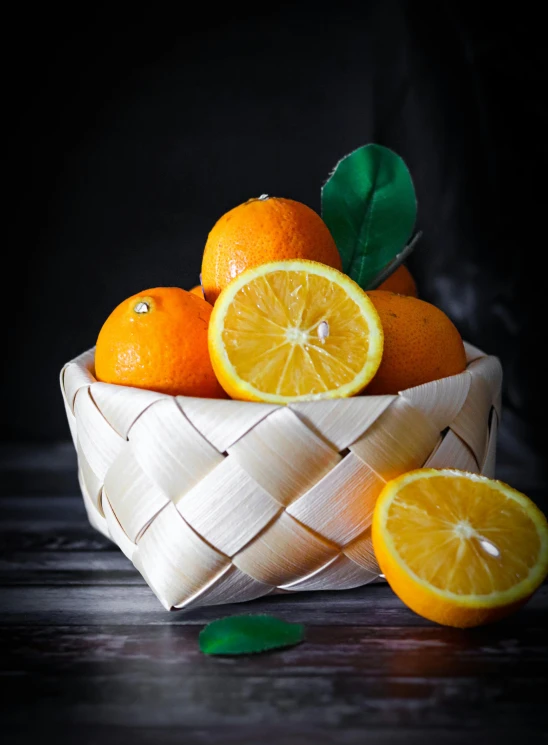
[{"x": 89, "y": 655}]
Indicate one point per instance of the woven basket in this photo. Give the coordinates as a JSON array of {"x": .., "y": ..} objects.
[{"x": 220, "y": 501}]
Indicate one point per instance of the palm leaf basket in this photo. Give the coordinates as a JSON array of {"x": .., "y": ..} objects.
[{"x": 221, "y": 501}]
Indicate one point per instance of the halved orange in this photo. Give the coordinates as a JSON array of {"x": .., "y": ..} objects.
[
  {"x": 294, "y": 330},
  {"x": 458, "y": 548}
]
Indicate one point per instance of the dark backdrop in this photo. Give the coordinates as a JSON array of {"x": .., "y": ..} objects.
[{"x": 131, "y": 135}]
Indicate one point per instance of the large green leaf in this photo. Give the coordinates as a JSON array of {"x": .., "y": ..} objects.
[
  {"x": 249, "y": 634},
  {"x": 370, "y": 207}
]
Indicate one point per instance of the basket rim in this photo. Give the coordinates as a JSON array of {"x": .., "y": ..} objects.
[{"x": 84, "y": 362}]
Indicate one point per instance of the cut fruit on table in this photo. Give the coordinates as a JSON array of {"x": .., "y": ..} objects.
[
  {"x": 294, "y": 330},
  {"x": 459, "y": 548}
]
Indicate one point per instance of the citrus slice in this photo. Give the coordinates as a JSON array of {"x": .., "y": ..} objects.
[
  {"x": 458, "y": 548},
  {"x": 294, "y": 330}
]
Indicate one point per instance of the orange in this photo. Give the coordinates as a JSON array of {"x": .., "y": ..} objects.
[
  {"x": 458, "y": 548},
  {"x": 401, "y": 281},
  {"x": 421, "y": 343},
  {"x": 292, "y": 331},
  {"x": 197, "y": 290},
  {"x": 157, "y": 340},
  {"x": 263, "y": 230}
]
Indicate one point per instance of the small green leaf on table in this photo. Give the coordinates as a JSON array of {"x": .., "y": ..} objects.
[
  {"x": 248, "y": 634},
  {"x": 369, "y": 205}
]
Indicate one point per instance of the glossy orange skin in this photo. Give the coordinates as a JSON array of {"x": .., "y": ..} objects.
[
  {"x": 400, "y": 281},
  {"x": 421, "y": 344},
  {"x": 263, "y": 230},
  {"x": 164, "y": 349}
]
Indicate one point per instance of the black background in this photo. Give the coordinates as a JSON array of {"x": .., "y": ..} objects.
[{"x": 130, "y": 136}]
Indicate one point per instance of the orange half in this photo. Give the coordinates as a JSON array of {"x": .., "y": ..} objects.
[
  {"x": 459, "y": 548},
  {"x": 294, "y": 330}
]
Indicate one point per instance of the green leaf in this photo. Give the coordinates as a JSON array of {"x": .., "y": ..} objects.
[
  {"x": 248, "y": 634},
  {"x": 370, "y": 207}
]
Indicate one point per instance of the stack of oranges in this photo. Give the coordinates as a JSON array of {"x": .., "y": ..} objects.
[
  {"x": 262, "y": 341},
  {"x": 275, "y": 319}
]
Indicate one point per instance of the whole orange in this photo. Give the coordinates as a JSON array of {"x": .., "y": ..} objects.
[
  {"x": 263, "y": 230},
  {"x": 401, "y": 281},
  {"x": 157, "y": 340},
  {"x": 421, "y": 343}
]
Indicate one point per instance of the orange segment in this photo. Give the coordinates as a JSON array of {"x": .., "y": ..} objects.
[
  {"x": 294, "y": 330},
  {"x": 459, "y": 548}
]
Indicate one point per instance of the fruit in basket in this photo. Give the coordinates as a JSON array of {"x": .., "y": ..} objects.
[
  {"x": 458, "y": 548},
  {"x": 260, "y": 231},
  {"x": 421, "y": 343},
  {"x": 197, "y": 290},
  {"x": 157, "y": 340},
  {"x": 401, "y": 281},
  {"x": 294, "y": 330}
]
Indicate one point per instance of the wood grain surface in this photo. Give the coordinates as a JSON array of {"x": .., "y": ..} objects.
[{"x": 90, "y": 656}]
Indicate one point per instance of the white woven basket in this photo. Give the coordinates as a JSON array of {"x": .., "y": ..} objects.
[{"x": 220, "y": 501}]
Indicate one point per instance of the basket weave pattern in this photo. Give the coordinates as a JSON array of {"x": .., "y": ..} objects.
[{"x": 218, "y": 501}]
